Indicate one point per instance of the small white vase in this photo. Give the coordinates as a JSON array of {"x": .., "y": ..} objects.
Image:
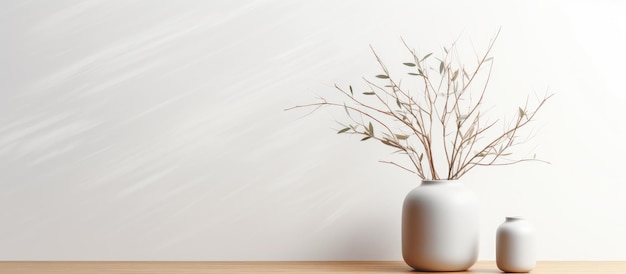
[
  {"x": 440, "y": 226},
  {"x": 515, "y": 245}
]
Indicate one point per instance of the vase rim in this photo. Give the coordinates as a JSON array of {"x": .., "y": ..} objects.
[
  {"x": 430, "y": 181},
  {"x": 514, "y": 218}
]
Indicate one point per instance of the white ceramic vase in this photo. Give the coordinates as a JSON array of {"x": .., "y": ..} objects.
[
  {"x": 440, "y": 226},
  {"x": 515, "y": 245}
]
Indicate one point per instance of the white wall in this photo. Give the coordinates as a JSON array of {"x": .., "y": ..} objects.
[{"x": 155, "y": 130}]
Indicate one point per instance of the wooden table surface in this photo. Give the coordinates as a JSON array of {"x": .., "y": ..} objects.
[{"x": 165, "y": 267}]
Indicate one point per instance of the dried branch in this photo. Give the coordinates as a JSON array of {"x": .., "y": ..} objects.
[{"x": 442, "y": 118}]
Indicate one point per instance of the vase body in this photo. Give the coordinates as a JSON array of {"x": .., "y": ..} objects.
[
  {"x": 515, "y": 245},
  {"x": 440, "y": 226}
]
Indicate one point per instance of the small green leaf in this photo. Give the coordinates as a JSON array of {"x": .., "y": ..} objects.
[
  {"x": 441, "y": 66},
  {"x": 398, "y": 103},
  {"x": 382, "y": 76},
  {"x": 402, "y": 137},
  {"x": 343, "y": 130},
  {"x": 365, "y": 138},
  {"x": 416, "y": 74},
  {"x": 409, "y": 64},
  {"x": 427, "y": 55},
  {"x": 521, "y": 112},
  {"x": 351, "y": 92},
  {"x": 445, "y": 50},
  {"x": 390, "y": 143},
  {"x": 369, "y": 93},
  {"x": 488, "y": 59},
  {"x": 456, "y": 73},
  {"x": 346, "y": 108},
  {"x": 371, "y": 129}
]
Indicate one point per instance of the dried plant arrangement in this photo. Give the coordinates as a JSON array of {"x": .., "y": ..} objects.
[{"x": 440, "y": 125}]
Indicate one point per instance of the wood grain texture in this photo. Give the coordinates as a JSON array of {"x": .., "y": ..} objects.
[{"x": 44, "y": 267}]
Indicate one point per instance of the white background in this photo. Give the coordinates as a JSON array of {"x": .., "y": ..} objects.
[{"x": 155, "y": 130}]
